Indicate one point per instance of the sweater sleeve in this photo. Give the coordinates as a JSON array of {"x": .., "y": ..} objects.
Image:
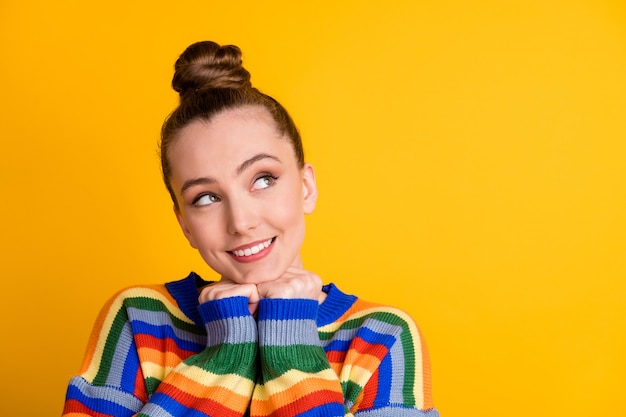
[
  {"x": 382, "y": 362},
  {"x": 296, "y": 377},
  {"x": 118, "y": 377}
]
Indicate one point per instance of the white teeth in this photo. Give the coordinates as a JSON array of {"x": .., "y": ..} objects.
[{"x": 254, "y": 249}]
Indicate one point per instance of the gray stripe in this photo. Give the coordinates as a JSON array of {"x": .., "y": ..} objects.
[
  {"x": 161, "y": 318},
  {"x": 398, "y": 372},
  {"x": 122, "y": 348},
  {"x": 372, "y": 324},
  {"x": 341, "y": 335},
  {"x": 288, "y": 332},
  {"x": 396, "y": 354},
  {"x": 112, "y": 394},
  {"x": 398, "y": 412},
  {"x": 154, "y": 410},
  {"x": 231, "y": 330}
]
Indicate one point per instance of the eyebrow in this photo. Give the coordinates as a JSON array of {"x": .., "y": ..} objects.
[
  {"x": 240, "y": 169},
  {"x": 246, "y": 164}
]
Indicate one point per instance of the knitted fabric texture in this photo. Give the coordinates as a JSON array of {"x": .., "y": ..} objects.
[{"x": 155, "y": 352}]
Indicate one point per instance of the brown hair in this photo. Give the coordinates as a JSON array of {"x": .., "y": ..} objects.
[{"x": 211, "y": 79}]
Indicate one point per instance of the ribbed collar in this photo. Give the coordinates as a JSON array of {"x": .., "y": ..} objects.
[{"x": 185, "y": 292}]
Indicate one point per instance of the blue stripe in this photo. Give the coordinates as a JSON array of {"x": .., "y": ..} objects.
[
  {"x": 160, "y": 318},
  {"x": 224, "y": 308},
  {"x": 287, "y": 309},
  {"x": 373, "y": 337},
  {"x": 98, "y": 403},
  {"x": 330, "y": 410},
  {"x": 338, "y": 345},
  {"x": 166, "y": 332},
  {"x": 174, "y": 407},
  {"x": 368, "y": 335},
  {"x": 384, "y": 382},
  {"x": 131, "y": 364}
]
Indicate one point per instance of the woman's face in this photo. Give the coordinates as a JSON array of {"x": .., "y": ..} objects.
[{"x": 241, "y": 195}]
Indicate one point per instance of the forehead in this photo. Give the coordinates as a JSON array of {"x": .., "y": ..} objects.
[
  {"x": 241, "y": 126},
  {"x": 248, "y": 114},
  {"x": 232, "y": 136}
]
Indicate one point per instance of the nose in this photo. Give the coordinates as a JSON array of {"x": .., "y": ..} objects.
[{"x": 241, "y": 217}]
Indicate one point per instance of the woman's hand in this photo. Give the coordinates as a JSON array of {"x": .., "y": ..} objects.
[
  {"x": 294, "y": 283},
  {"x": 225, "y": 289}
]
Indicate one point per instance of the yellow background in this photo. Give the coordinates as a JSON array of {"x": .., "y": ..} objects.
[{"x": 470, "y": 159}]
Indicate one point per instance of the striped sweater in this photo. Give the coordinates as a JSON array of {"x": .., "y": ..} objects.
[{"x": 155, "y": 352}]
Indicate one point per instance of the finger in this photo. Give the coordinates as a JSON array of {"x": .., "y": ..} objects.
[
  {"x": 219, "y": 291},
  {"x": 294, "y": 283},
  {"x": 252, "y": 307}
]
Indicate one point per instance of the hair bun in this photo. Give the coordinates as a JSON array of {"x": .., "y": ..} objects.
[{"x": 207, "y": 65}]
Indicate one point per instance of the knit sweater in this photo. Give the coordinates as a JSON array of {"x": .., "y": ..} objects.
[{"x": 155, "y": 351}]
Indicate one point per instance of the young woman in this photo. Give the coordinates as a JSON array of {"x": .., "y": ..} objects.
[{"x": 267, "y": 338}]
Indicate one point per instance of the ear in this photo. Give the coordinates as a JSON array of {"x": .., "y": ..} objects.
[
  {"x": 184, "y": 227},
  {"x": 309, "y": 188}
]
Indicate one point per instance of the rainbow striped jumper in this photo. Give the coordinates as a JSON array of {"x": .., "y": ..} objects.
[{"x": 155, "y": 352}]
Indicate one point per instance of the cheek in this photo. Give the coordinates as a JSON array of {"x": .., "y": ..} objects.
[
  {"x": 292, "y": 223},
  {"x": 204, "y": 231},
  {"x": 289, "y": 210}
]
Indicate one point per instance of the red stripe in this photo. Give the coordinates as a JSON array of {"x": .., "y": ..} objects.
[
  {"x": 336, "y": 356},
  {"x": 163, "y": 345},
  {"x": 140, "y": 386},
  {"x": 374, "y": 349},
  {"x": 206, "y": 405},
  {"x": 369, "y": 392},
  {"x": 75, "y": 406}
]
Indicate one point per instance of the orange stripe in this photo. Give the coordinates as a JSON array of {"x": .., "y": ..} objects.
[
  {"x": 355, "y": 308},
  {"x": 336, "y": 367},
  {"x": 218, "y": 384},
  {"x": 366, "y": 361},
  {"x": 298, "y": 406},
  {"x": 426, "y": 378},
  {"x": 301, "y": 389},
  {"x": 373, "y": 349},
  {"x": 167, "y": 359},
  {"x": 75, "y": 408}
]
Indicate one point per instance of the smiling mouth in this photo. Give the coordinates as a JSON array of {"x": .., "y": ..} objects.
[{"x": 253, "y": 250}]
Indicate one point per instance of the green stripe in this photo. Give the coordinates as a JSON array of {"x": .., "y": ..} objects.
[
  {"x": 351, "y": 391},
  {"x": 406, "y": 339},
  {"x": 151, "y": 304},
  {"x": 152, "y": 384},
  {"x": 409, "y": 365},
  {"x": 227, "y": 358},
  {"x": 117, "y": 326},
  {"x": 109, "y": 347},
  {"x": 306, "y": 358}
]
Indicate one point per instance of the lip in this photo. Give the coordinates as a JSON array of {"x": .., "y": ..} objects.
[{"x": 254, "y": 256}]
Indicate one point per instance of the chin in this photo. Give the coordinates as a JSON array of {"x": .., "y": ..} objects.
[
  {"x": 259, "y": 276},
  {"x": 255, "y": 278}
]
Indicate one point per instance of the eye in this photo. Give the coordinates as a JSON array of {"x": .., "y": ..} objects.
[
  {"x": 205, "y": 200},
  {"x": 264, "y": 182}
]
